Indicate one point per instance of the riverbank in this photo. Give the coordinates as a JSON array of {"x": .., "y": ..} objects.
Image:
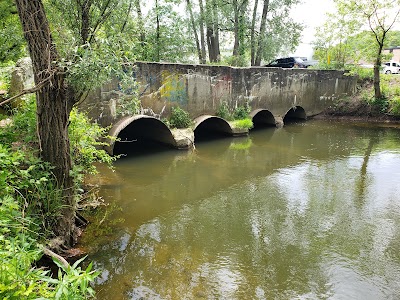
[{"x": 363, "y": 107}]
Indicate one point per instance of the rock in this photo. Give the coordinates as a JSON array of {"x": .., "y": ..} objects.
[
  {"x": 21, "y": 79},
  {"x": 184, "y": 138}
]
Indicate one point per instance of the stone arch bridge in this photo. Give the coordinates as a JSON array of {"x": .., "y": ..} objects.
[{"x": 274, "y": 95}]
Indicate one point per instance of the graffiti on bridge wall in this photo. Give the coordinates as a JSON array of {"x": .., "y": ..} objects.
[{"x": 173, "y": 87}]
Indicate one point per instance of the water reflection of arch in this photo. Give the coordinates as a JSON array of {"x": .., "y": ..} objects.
[
  {"x": 132, "y": 130},
  {"x": 262, "y": 118},
  {"x": 211, "y": 126},
  {"x": 295, "y": 114}
]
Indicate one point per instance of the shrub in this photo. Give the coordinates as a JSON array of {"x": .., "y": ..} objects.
[
  {"x": 394, "y": 106},
  {"x": 23, "y": 126},
  {"x": 223, "y": 112},
  {"x": 364, "y": 74},
  {"x": 86, "y": 145},
  {"x": 241, "y": 112},
  {"x": 179, "y": 118}
]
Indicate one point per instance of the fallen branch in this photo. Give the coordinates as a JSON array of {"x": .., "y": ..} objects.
[{"x": 61, "y": 259}]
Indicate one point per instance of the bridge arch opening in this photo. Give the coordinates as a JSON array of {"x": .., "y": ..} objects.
[
  {"x": 262, "y": 118},
  {"x": 295, "y": 114},
  {"x": 211, "y": 127},
  {"x": 140, "y": 134}
]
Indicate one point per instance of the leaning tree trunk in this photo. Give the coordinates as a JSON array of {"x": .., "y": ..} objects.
[{"x": 54, "y": 105}]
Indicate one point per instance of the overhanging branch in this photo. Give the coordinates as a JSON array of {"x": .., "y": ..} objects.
[{"x": 27, "y": 91}]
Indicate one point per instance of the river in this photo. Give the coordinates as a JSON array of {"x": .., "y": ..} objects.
[{"x": 307, "y": 211}]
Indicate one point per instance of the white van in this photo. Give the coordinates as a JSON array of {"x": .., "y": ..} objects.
[{"x": 391, "y": 67}]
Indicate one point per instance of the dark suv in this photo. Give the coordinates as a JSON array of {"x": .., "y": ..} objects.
[{"x": 287, "y": 62}]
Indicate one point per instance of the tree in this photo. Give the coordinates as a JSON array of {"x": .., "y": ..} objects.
[
  {"x": 333, "y": 47},
  {"x": 277, "y": 33},
  {"x": 378, "y": 16},
  {"x": 64, "y": 58},
  {"x": 196, "y": 36},
  {"x": 54, "y": 104}
]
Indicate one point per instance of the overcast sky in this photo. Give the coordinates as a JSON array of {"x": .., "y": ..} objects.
[{"x": 312, "y": 14}]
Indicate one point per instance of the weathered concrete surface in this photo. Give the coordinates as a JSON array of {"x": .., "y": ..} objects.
[{"x": 202, "y": 89}]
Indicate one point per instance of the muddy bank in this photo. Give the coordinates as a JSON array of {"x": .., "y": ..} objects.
[
  {"x": 378, "y": 119},
  {"x": 362, "y": 107}
]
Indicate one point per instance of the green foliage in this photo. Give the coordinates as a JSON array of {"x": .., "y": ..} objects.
[
  {"x": 23, "y": 126},
  {"x": 100, "y": 47},
  {"x": 86, "y": 145},
  {"x": 236, "y": 61},
  {"x": 12, "y": 43},
  {"x": 5, "y": 78},
  {"x": 19, "y": 250},
  {"x": 223, "y": 112},
  {"x": 241, "y": 112},
  {"x": 31, "y": 202},
  {"x": 364, "y": 74},
  {"x": 343, "y": 40},
  {"x": 28, "y": 180},
  {"x": 72, "y": 282},
  {"x": 179, "y": 118},
  {"x": 243, "y": 123},
  {"x": 390, "y": 102},
  {"x": 394, "y": 105}
]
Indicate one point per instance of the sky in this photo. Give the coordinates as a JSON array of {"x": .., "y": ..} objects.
[{"x": 312, "y": 14}]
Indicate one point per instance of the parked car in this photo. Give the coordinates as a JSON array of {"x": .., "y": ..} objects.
[
  {"x": 287, "y": 62},
  {"x": 391, "y": 68}
]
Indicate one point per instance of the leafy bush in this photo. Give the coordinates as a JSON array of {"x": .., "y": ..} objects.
[
  {"x": 394, "y": 106},
  {"x": 23, "y": 126},
  {"x": 236, "y": 61},
  {"x": 86, "y": 145},
  {"x": 180, "y": 118},
  {"x": 244, "y": 123},
  {"x": 241, "y": 112},
  {"x": 223, "y": 112},
  {"x": 364, "y": 74},
  {"x": 28, "y": 179},
  {"x": 5, "y": 78}
]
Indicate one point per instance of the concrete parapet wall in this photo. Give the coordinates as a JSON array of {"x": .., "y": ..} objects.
[{"x": 202, "y": 89}]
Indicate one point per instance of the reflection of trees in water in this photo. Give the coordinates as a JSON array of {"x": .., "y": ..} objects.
[
  {"x": 284, "y": 226},
  {"x": 362, "y": 183}
]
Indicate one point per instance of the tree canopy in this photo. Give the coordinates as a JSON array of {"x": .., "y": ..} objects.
[
  {"x": 358, "y": 32},
  {"x": 236, "y": 32}
]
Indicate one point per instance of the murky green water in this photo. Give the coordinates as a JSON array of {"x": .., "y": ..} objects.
[{"x": 308, "y": 211}]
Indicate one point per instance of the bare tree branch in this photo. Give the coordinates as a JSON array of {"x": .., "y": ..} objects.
[{"x": 27, "y": 91}]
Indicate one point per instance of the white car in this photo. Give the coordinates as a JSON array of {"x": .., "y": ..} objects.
[{"x": 391, "y": 68}]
